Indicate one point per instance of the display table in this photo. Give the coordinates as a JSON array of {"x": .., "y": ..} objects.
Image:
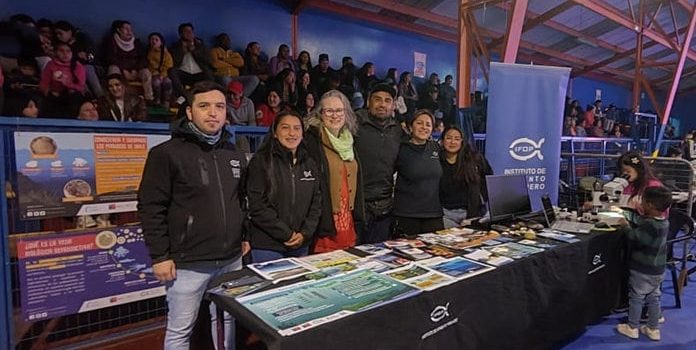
[{"x": 536, "y": 302}]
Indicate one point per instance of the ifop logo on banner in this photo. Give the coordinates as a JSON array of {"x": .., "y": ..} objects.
[{"x": 525, "y": 149}]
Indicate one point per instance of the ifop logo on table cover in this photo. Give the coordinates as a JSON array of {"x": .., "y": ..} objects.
[
  {"x": 525, "y": 149},
  {"x": 439, "y": 312}
]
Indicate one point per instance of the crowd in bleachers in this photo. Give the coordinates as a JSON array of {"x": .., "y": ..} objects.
[
  {"x": 54, "y": 69},
  {"x": 593, "y": 121}
]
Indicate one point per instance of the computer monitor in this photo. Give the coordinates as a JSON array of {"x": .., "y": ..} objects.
[{"x": 508, "y": 196}]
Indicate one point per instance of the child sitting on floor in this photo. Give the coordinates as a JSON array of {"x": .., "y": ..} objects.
[{"x": 648, "y": 257}]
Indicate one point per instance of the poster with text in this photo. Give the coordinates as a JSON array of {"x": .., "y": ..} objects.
[
  {"x": 67, "y": 273},
  {"x": 302, "y": 306},
  {"x": 419, "y": 59},
  {"x": 68, "y": 174}
]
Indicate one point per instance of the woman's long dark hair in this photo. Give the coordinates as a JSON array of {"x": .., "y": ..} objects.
[
  {"x": 162, "y": 48},
  {"x": 635, "y": 160},
  {"x": 268, "y": 147},
  {"x": 309, "y": 59},
  {"x": 469, "y": 160}
]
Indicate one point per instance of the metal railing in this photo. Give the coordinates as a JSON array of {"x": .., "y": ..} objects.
[{"x": 675, "y": 173}]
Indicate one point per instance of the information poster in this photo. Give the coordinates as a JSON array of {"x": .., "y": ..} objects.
[
  {"x": 419, "y": 64},
  {"x": 299, "y": 307},
  {"x": 68, "y": 174},
  {"x": 67, "y": 273}
]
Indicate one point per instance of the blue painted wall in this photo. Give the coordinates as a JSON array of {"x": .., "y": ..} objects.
[
  {"x": 341, "y": 36},
  {"x": 583, "y": 89}
]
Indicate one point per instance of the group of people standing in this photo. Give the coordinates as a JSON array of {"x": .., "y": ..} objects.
[{"x": 316, "y": 184}]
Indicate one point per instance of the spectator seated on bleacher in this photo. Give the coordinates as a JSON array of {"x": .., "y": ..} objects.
[
  {"x": 228, "y": 64},
  {"x": 62, "y": 83},
  {"x": 22, "y": 81},
  {"x": 126, "y": 55},
  {"x": 367, "y": 78},
  {"x": 304, "y": 84},
  {"x": 159, "y": 62},
  {"x": 284, "y": 83},
  {"x": 306, "y": 105},
  {"x": 408, "y": 91},
  {"x": 429, "y": 101},
  {"x": 303, "y": 62},
  {"x": 88, "y": 110},
  {"x": 266, "y": 112},
  {"x": 28, "y": 106},
  {"x": 240, "y": 109},
  {"x": 321, "y": 75},
  {"x": 191, "y": 61},
  {"x": 83, "y": 51},
  {"x": 447, "y": 99},
  {"x": 255, "y": 63},
  {"x": 281, "y": 61},
  {"x": 119, "y": 104}
]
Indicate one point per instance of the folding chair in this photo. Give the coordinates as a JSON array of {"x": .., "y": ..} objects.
[{"x": 682, "y": 228}]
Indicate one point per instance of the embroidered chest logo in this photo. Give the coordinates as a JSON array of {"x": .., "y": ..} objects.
[
  {"x": 435, "y": 155},
  {"x": 236, "y": 171},
  {"x": 307, "y": 176}
]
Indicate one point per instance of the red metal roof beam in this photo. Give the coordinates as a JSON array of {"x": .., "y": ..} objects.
[
  {"x": 514, "y": 31},
  {"x": 615, "y": 15}
]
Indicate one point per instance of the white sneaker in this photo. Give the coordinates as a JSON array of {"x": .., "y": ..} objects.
[
  {"x": 627, "y": 330},
  {"x": 652, "y": 333}
]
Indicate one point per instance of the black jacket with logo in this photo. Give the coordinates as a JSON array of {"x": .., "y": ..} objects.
[
  {"x": 190, "y": 198},
  {"x": 377, "y": 146},
  {"x": 417, "y": 194},
  {"x": 294, "y": 206}
]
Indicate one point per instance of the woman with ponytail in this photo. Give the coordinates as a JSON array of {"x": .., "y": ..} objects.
[
  {"x": 159, "y": 62},
  {"x": 283, "y": 192}
]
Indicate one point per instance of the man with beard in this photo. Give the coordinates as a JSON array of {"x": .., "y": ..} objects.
[{"x": 377, "y": 142}]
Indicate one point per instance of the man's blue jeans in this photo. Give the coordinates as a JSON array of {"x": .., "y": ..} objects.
[{"x": 184, "y": 296}]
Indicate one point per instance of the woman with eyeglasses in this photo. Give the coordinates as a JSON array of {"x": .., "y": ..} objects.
[
  {"x": 463, "y": 183},
  {"x": 417, "y": 206},
  {"x": 329, "y": 140}
]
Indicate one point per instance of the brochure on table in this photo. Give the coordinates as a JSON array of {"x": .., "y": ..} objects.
[
  {"x": 302, "y": 306},
  {"x": 68, "y": 174}
]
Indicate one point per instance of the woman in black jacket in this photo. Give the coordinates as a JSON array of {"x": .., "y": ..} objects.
[
  {"x": 463, "y": 182},
  {"x": 330, "y": 142},
  {"x": 417, "y": 206},
  {"x": 283, "y": 192}
]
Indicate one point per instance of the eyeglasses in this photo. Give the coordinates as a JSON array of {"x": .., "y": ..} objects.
[{"x": 332, "y": 112}]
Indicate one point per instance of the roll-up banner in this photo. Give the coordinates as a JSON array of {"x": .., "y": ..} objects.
[{"x": 525, "y": 118}]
